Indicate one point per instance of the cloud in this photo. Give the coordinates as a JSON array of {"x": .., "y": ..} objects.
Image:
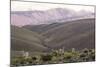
[{"x": 27, "y": 6}]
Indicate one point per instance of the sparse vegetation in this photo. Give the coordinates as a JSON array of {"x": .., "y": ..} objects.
[{"x": 56, "y": 56}]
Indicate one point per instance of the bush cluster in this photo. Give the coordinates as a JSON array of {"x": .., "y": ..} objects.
[{"x": 56, "y": 56}]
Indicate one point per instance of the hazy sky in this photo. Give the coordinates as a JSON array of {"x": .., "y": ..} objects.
[{"x": 26, "y": 6}]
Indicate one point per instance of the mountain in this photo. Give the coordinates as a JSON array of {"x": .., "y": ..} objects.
[
  {"x": 37, "y": 17},
  {"x": 76, "y": 34},
  {"x": 25, "y": 40}
]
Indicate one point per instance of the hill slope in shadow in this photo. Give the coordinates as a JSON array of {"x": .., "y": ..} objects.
[
  {"x": 23, "y": 39},
  {"x": 77, "y": 34}
]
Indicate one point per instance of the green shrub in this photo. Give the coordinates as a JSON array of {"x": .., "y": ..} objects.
[
  {"x": 56, "y": 56},
  {"x": 46, "y": 57}
]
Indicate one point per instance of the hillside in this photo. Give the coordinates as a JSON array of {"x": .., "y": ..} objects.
[
  {"x": 42, "y": 27},
  {"x": 23, "y": 39},
  {"x": 77, "y": 34}
]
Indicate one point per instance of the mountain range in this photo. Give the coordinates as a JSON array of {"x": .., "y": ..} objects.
[{"x": 36, "y": 17}]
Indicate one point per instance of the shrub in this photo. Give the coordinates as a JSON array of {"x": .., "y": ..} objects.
[
  {"x": 56, "y": 56},
  {"x": 34, "y": 58},
  {"x": 85, "y": 50},
  {"x": 46, "y": 57},
  {"x": 82, "y": 55}
]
